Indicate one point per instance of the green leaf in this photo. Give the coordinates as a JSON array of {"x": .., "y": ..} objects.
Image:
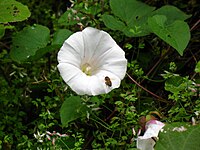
[
  {"x": 133, "y": 13},
  {"x": 172, "y": 13},
  {"x": 113, "y": 23},
  {"x": 12, "y": 11},
  {"x": 130, "y": 10},
  {"x": 93, "y": 9},
  {"x": 197, "y": 68},
  {"x": 60, "y": 36},
  {"x": 176, "y": 84},
  {"x": 2, "y": 30},
  {"x": 42, "y": 51},
  {"x": 176, "y": 34},
  {"x": 70, "y": 18},
  {"x": 179, "y": 136},
  {"x": 28, "y": 41},
  {"x": 69, "y": 141},
  {"x": 72, "y": 109}
]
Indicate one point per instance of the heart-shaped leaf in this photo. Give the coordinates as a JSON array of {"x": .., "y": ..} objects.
[
  {"x": 172, "y": 13},
  {"x": 28, "y": 41},
  {"x": 130, "y": 11},
  {"x": 2, "y": 30},
  {"x": 130, "y": 17},
  {"x": 179, "y": 136},
  {"x": 70, "y": 18},
  {"x": 71, "y": 109},
  {"x": 42, "y": 51},
  {"x": 175, "y": 84},
  {"x": 12, "y": 11},
  {"x": 197, "y": 68},
  {"x": 113, "y": 23},
  {"x": 60, "y": 36},
  {"x": 176, "y": 34}
]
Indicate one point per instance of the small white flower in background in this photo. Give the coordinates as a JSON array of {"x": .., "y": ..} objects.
[
  {"x": 152, "y": 128},
  {"x": 91, "y": 62},
  {"x": 193, "y": 121},
  {"x": 50, "y": 136},
  {"x": 39, "y": 136},
  {"x": 197, "y": 113},
  {"x": 53, "y": 136},
  {"x": 179, "y": 129}
]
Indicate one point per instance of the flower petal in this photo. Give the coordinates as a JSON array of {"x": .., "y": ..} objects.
[
  {"x": 68, "y": 71},
  {"x": 153, "y": 128},
  {"x": 116, "y": 67},
  {"x": 113, "y": 61},
  {"x": 96, "y": 83},
  {"x": 77, "y": 80},
  {"x": 89, "y": 85},
  {"x": 80, "y": 82},
  {"x": 96, "y": 43},
  {"x": 145, "y": 144},
  {"x": 100, "y": 51},
  {"x": 91, "y": 38},
  {"x": 68, "y": 54},
  {"x": 114, "y": 79},
  {"x": 77, "y": 43},
  {"x": 105, "y": 44},
  {"x": 95, "y": 86}
]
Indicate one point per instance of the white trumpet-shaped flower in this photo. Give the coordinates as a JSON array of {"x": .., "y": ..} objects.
[
  {"x": 91, "y": 62},
  {"x": 148, "y": 140}
]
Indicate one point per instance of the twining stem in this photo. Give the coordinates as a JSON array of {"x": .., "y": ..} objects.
[
  {"x": 195, "y": 25},
  {"x": 100, "y": 123},
  {"x": 3, "y": 44},
  {"x": 64, "y": 143},
  {"x": 158, "y": 97},
  {"x": 157, "y": 63},
  {"x": 166, "y": 53}
]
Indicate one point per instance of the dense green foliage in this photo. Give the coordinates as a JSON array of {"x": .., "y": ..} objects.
[{"x": 161, "y": 42}]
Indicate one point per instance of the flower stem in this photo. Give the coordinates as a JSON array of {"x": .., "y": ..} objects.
[{"x": 158, "y": 97}]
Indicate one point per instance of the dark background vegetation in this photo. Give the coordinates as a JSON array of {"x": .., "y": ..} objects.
[{"x": 28, "y": 91}]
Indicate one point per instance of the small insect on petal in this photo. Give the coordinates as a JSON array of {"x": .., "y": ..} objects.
[{"x": 108, "y": 81}]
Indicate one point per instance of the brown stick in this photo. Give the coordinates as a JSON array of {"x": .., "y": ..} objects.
[
  {"x": 158, "y": 97},
  {"x": 195, "y": 25}
]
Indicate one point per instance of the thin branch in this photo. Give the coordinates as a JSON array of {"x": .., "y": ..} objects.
[
  {"x": 110, "y": 116},
  {"x": 195, "y": 25},
  {"x": 158, "y": 97},
  {"x": 166, "y": 53},
  {"x": 5, "y": 76},
  {"x": 156, "y": 64},
  {"x": 6, "y": 46}
]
